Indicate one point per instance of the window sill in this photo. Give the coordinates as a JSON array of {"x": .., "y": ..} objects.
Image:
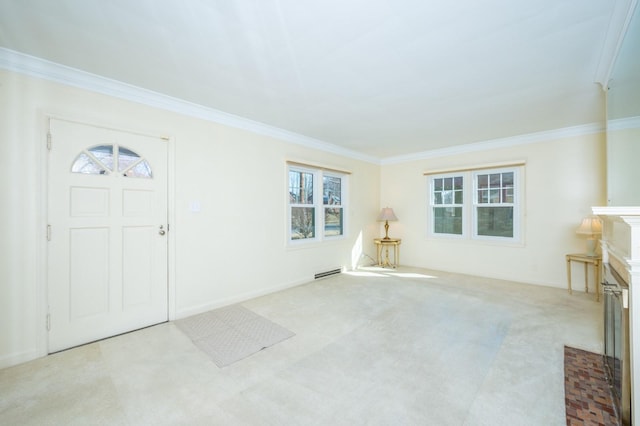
[
  {"x": 301, "y": 245},
  {"x": 476, "y": 241}
]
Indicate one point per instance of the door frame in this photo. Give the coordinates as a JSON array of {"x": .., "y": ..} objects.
[{"x": 42, "y": 285}]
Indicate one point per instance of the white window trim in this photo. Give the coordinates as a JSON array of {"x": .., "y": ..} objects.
[
  {"x": 318, "y": 174},
  {"x": 432, "y": 218},
  {"x": 516, "y": 204},
  {"x": 344, "y": 198},
  {"x": 469, "y": 206}
]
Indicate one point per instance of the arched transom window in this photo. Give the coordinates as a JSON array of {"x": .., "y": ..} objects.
[{"x": 109, "y": 159}]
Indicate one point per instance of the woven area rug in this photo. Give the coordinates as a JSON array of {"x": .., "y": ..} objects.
[{"x": 232, "y": 333}]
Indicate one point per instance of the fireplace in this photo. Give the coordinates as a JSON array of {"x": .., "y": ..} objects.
[
  {"x": 616, "y": 342},
  {"x": 621, "y": 253}
]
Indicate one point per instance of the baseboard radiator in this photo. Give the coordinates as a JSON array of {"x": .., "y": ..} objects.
[{"x": 327, "y": 273}]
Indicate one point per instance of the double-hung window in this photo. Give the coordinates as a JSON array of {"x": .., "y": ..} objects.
[
  {"x": 494, "y": 205},
  {"x": 317, "y": 200},
  {"x": 447, "y": 204},
  {"x": 476, "y": 204}
]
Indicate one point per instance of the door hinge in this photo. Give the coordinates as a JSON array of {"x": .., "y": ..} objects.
[
  {"x": 48, "y": 232},
  {"x": 49, "y": 141},
  {"x": 48, "y": 322}
]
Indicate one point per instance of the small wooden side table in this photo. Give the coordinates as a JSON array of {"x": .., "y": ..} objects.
[
  {"x": 586, "y": 259},
  {"x": 386, "y": 243}
]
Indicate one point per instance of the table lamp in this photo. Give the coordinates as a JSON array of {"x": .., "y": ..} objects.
[
  {"x": 386, "y": 215},
  {"x": 590, "y": 226}
]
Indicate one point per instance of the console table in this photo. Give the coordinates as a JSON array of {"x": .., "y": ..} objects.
[
  {"x": 586, "y": 259},
  {"x": 386, "y": 243}
]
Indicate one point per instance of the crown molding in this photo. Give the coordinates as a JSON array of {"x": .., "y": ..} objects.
[
  {"x": 47, "y": 70},
  {"x": 618, "y": 24},
  {"x": 567, "y": 132},
  {"x": 41, "y": 68},
  {"x": 624, "y": 123}
]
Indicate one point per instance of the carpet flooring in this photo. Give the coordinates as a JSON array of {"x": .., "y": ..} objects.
[
  {"x": 232, "y": 333},
  {"x": 587, "y": 395},
  {"x": 373, "y": 347}
]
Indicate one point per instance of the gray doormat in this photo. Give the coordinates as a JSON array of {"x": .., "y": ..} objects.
[{"x": 232, "y": 333}]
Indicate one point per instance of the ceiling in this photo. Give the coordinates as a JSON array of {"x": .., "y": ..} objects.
[{"x": 381, "y": 77}]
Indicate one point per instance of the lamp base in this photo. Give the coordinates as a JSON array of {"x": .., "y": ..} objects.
[
  {"x": 591, "y": 247},
  {"x": 386, "y": 230}
]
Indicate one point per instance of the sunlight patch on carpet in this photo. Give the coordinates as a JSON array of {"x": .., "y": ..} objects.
[{"x": 232, "y": 333}]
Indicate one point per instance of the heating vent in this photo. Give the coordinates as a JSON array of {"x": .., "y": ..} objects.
[{"x": 327, "y": 273}]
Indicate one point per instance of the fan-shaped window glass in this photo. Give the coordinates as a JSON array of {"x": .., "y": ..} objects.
[
  {"x": 100, "y": 160},
  {"x": 126, "y": 158},
  {"x": 140, "y": 170},
  {"x": 130, "y": 164},
  {"x": 104, "y": 154},
  {"x": 87, "y": 165}
]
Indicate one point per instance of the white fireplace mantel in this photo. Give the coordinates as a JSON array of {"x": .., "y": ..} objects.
[
  {"x": 621, "y": 239},
  {"x": 621, "y": 250},
  {"x": 616, "y": 210}
]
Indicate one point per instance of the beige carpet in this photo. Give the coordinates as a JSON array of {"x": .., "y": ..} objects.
[{"x": 232, "y": 333}]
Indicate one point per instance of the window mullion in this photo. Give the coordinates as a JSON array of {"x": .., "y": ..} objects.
[
  {"x": 489, "y": 209},
  {"x": 318, "y": 204}
]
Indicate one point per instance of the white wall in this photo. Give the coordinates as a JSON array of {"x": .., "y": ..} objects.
[
  {"x": 623, "y": 152},
  {"x": 563, "y": 179},
  {"x": 234, "y": 248},
  {"x": 623, "y": 120},
  {"x": 19, "y": 210}
]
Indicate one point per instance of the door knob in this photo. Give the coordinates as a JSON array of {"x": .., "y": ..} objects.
[{"x": 161, "y": 231}]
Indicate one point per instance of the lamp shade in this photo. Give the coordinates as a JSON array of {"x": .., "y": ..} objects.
[
  {"x": 387, "y": 214},
  {"x": 590, "y": 226}
]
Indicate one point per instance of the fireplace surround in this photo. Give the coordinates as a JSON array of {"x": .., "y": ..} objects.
[
  {"x": 621, "y": 253},
  {"x": 616, "y": 357}
]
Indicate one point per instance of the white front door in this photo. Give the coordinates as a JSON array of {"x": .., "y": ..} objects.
[{"x": 107, "y": 249}]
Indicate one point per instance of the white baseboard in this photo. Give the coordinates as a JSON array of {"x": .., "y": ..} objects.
[
  {"x": 219, "y": 303},
  {"x": 16, "y": 358}
]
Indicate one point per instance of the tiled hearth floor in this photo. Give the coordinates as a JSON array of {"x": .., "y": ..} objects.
[{"x": 587, "y": 395}]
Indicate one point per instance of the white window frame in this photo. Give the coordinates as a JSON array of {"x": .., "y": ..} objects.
[
  {"x": 433, "y": 206},
  {"x": 515, "y": 204},
  {"x": 470, "y": 204},
  {"x": 318, "y": 204}
]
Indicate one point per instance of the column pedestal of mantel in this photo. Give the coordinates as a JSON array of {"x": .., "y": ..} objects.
[{"x": 621, "y": 250}]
